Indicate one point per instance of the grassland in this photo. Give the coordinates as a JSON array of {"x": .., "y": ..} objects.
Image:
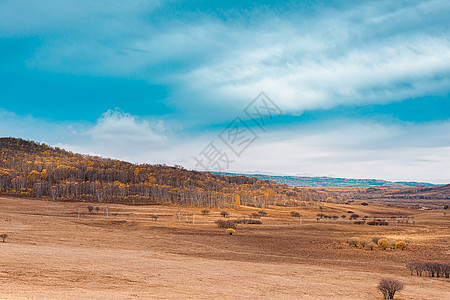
[{"x": 54, "y": 252}]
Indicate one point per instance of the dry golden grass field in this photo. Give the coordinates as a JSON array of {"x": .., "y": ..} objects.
[{"x": 52, "y": 253}]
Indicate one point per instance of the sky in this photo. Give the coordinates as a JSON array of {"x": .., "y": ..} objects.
[{"x": 357, "y": 89}]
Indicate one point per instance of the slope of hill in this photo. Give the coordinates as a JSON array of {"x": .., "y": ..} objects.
[
  {"x": 38, "y": 170},
  {"x": 328, "y": 181}
]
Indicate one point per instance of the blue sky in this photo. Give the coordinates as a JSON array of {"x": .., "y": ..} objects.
[{"x": 363, "y": 85}]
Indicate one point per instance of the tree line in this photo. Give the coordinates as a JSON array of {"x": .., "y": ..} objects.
[{"x": 37, "y": 170}]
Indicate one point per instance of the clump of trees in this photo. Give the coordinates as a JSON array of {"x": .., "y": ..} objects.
[
  {"x": 226, "y": 224},
  {"x": 377, "y": 242},
  {"x": 389, "y": 287},
  {"x": 430, "y": 269},
  {"x": 248, "y": 221},
  {"x": 378, "y": 223}
]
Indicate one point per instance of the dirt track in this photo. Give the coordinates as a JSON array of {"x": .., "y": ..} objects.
[{"x": 51, "y": 254}]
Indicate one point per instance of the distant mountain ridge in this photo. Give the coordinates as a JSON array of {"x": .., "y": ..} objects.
[{"x": 328, "y": 181}]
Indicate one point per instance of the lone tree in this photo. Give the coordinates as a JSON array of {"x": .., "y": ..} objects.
[
  {"x": 389, "y": 287},
  {"x": 3, "y": 236},
  {"x": 224, "y": 214},
  {"x": 90, "y": 208}
]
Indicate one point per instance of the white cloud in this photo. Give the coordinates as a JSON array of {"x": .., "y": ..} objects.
[{"x": 117, "y": 126}]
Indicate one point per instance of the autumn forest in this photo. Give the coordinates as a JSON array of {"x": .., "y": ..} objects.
[{"x": 37, "y": 170}]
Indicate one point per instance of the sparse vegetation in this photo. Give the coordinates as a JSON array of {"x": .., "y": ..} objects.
[{"x": 389, "y": 287}]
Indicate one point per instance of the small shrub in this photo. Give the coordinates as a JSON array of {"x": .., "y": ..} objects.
[
  {"x": 3, "y": 236},
  {"x": 383, "y": 243},
  {"x": 205, "y": 212},
  {"x": 97, "y": 209},
  {"x": 230, "y": 231},
  {"x": 401, "y": 245},
  {"x": 364, "y": 203},
  {"x": 343, "y": 216},
  {"x": 90, "y": 208},
  {"x": 389, "y": 287},
  {"x": 359, "y": 222},
  {"x": 224, "y": 214},
  {"x": 349, "y": 212}
]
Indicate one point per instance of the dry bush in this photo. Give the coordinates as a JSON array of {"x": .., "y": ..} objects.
[
  {"x": 383, "y": 243},
  {"x": 389, "y": 287},
  {"x": 97, "y": 209},
  {"x": 205, "y": 212},
  {"x": 90, "y": 208},
  {"x": 359, "y": 222},
  {"x": 343, "y": 216},
  {"x": 226, "y": 224},
  {"x": 3, "y": 236},
  {"x": 224, "y": 214}
]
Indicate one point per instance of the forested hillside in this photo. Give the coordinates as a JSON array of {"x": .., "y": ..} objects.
[{"x": 37, "y": 170}]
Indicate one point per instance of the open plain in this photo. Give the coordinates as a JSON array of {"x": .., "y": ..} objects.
[{"x": 58, "y": 250}]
